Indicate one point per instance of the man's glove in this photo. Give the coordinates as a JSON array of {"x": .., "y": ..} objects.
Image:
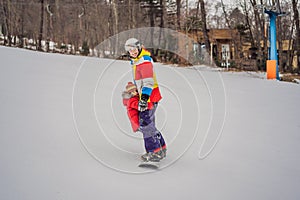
[{"x": 143, "y": 103}]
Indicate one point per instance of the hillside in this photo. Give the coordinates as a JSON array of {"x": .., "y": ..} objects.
[{"x": 64, "y": 132}]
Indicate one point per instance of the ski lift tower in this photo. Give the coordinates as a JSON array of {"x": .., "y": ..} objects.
[{"x": 272, "y": 8}]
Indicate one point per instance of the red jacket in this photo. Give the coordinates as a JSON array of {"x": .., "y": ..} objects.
[
  {"x": 132, "y": 111},
  {"x": 132, "y": 105}
]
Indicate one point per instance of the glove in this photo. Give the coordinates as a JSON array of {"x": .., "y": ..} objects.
[
  {"x": 126, "y": 95},
  {"x": 143, "y": 103}
]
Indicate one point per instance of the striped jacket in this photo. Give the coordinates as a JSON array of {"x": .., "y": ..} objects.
[{"x": 144, "y": 76}]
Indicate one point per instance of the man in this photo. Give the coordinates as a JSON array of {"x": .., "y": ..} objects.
[{"x": 149, "y": 95}]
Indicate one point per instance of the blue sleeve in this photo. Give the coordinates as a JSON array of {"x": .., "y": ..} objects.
[{"x": 146, "y": 90}]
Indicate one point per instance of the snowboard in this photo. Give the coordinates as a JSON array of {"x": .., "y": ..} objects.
[{"x": 149, "y": 164}]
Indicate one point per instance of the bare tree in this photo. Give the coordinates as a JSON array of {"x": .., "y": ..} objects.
[
  {"x": 7, "y": 21},
  {"x": 225, "y": 15},
  {"x": 204, "y": 25},
  {"x": 178, "y": 13},
  {"x": 115, "y": 24},
  {"x": 41, "y": 25},
  {"x": 297, "y": 27},
  {"x": 90, "y": 22}
]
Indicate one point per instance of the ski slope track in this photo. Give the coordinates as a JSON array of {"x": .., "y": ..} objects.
[{"x": 64, "y": 133}]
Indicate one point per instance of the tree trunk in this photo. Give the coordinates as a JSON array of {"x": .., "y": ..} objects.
[
  {"x": 297, "y": 24},
  {"x": 162, "y": 5},
  {"x": 197, "y": 20},
  {"x": 21, "y": 34},
  {"x": 265, "y": 38},
  {"x": 204, "y": 26},
  {"x": 7, "y": 24},
  {"x": 290, "y": 55},
  {"x": 41, "y": 26},
  {"x": 152, "y": 22},
  {"x": 234, "y": 38},
  {"x": 225, "y": 15},
  {"x": 131, "y": 15},
  {"x": 57, "y": 30},
  {"x": 178, "y": 6},
  {"x": 258, "y": 34},
  {"x": 280, "y": 45},
  {"x": 116, "y": 17},
  {"x": 116, "y": 51},
  {"x": 116, "y": 26},
  {"x": 248, "y": 23},
  {"x": 162, "y": 23}
]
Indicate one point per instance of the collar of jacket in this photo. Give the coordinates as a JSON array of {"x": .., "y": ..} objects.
[{"x": 144, "y": 52}]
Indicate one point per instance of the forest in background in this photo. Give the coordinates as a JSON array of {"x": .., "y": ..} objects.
[{"x": 86, "y": 23}]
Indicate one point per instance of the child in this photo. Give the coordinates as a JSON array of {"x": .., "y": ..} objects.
[{"x": 131, "y": 101}]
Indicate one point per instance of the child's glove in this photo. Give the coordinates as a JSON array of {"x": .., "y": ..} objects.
[
  {"x": 126, "y": 95},
  {"x": 143, "y": 103}
]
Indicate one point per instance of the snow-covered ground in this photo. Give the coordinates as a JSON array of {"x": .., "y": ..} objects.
[{"x": 64, "y": 133}]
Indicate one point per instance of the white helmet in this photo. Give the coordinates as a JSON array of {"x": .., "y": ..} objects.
[{"x": 132, "y": 43}]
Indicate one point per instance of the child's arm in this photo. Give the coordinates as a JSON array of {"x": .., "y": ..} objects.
[
  {"x": 133, "y": 113},
  {"x": 133, "y": 102}
]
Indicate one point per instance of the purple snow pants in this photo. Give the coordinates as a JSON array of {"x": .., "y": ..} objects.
[{"x": 153, "y": 139}]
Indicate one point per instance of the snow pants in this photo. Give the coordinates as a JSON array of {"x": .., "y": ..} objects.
[{"x": 153, "y": 139}]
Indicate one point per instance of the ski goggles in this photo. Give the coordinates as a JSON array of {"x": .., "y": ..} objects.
[{"x": 130, "y": 48}]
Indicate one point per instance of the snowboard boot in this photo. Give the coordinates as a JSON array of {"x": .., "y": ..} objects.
[
  {"x": 162, "y": 153},
  {"x": 151, "y": 156}
]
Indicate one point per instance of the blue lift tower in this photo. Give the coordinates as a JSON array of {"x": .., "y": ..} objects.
[{"x": 272, "y": 8}]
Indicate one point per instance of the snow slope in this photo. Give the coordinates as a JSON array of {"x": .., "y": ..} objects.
[{"x": 64, "y": 132}]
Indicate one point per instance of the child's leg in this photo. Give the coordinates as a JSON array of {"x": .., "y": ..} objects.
[{"x": 151, "y": 134}]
